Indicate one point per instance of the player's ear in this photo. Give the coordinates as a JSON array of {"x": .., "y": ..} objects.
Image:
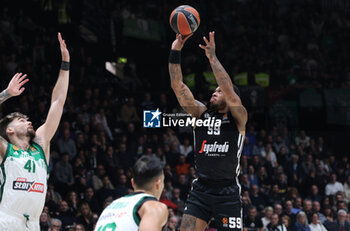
[
  {"x": 10, "y": 131},
  {"x": 158, "y": 183},
  {"x": 133, "y": 183}
]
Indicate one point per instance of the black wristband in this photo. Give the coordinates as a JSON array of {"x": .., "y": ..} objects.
[
  {"x": 175, "y": 57},
  {"x": 65, "y": 66}
]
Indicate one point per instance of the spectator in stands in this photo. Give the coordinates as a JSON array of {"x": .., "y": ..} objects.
[
  {"x": 340, "y": 224},
  {"x": 56, "y": 224},
  {"x": 65, "y": 215},
  {"x": 264, "y": 180},
  {"x": 90, "y": 198},
  {"x": 253, "y": 179},
  {"x": 257, "y": 199},
  {"x": 347, "y": 188},
  {"x": 128, "y": 112},
  {"x": 73, "y": 201},
  {"x": 177, "y": 200},
  {"x": 268, "y": 211},
  {"x": 288, "y": 212},
  {"x": 44, "y": 221},
  {"x": 269, "y": 154},
  {"x": 97, "y": 177},
  {"x": 301, "y": 223},
  {"x": 316, "y": 224},
  {"x": 183, "y": 185},
  {"x": 86, "y": 217},
  {"x": 186, "y": 147},
  {"x": 315, "y": 195},
  {"x": 64, "y": 174},
  {"x": 274, "y": 224},
  {"x": 79, "y": 227},
  {"x": 182, "y": 166},
  {"x": 252, "y": 222},
  {"x": 316, "y": 208},
  {"x": 287, "y": 223},
  {"x": 302, "y": 139},
  {"x": 277, "y": 208},
  {"x": 66, "y": 144},
  {"x": 274, "y": 196},
  {"x": 307, "y": 208},
  {"x": 172, "y": 225},
  {"x": 333, "y": 186}
]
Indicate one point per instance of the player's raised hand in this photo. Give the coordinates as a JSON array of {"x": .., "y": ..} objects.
[
  {"x": 179, "y": 42},
  {"x": 15, "y": 86},
  {"x": 210, "y": 45},
  {"x": 64, "y": 50}
]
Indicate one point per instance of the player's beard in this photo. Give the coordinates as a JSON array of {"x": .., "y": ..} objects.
[
  {"x": 216, "y": 106},
  {"x": 31, "y": 133}
]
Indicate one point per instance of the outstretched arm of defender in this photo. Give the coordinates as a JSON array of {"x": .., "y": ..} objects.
[
  {"x": 14, "y": 88},
  {"x": 182, "y": 92},
  {"x": 58, "y": 98},
  {"x": 224, "y": 81}
]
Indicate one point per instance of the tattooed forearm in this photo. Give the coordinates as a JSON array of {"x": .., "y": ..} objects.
[
  {"x": 4, "y": 95},
  {"x": 221, "y": 76},
  {"x": 175, "y": 73}
]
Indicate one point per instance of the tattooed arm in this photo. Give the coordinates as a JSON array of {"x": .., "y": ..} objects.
[
  {"x": 181, "y": 90},
  {"x": 238, "y": 111},
  {"x": 14, "y": 88}
]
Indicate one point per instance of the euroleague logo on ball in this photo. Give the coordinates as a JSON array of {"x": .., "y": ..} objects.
[{"x": 184, "y": 20}]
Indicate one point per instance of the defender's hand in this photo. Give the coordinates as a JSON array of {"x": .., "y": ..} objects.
[
  {"x": 179, "y": 42},
  {"x": 64, "y": 50},
  {"x": 210, "y": 46},
  {"x": 15, "y": 86}
]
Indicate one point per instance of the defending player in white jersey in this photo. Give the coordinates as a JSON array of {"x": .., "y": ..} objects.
[
  {"x": 141, "y": 210},
  {"x": 25, "y": 154}
]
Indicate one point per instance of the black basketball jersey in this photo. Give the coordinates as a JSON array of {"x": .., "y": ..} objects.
[{"x": 218, "y": 148}]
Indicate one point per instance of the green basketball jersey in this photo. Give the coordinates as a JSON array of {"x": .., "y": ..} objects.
[{"x": 23, "y": 180}]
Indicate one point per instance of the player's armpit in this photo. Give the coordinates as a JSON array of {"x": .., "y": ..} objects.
[
  {"x": 187, "y": 101},
  {"x": 154, "y": 216},
  {"x": 3, "y": 147}
]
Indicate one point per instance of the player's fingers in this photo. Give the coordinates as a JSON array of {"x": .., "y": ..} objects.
[
  {"x": 59, "y": 37},
  {"x": 201, "y": 46},
  {"x": 19, "y": 77},
  {"x": 211, "y": 37},
  {"x": 178, "y": 36},
  {"x": 205, "y": 40},
  {"x": 22, "y": 78},
  {"x": 23, "y": 82},
  {"x": 22, "y": 90}
]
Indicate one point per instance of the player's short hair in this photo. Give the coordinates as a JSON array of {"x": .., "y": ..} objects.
[
  {"x": 146, "y": 170},
  {"x": 4, "y": 122}
]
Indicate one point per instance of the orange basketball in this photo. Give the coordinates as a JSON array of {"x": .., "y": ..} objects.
[{"x": 184, "y": 20}]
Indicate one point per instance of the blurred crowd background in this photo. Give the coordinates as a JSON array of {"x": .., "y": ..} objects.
[{"x": 289, "y": 59}]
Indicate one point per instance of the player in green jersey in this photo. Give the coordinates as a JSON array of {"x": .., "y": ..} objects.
[{"x": 25, "y": 153}]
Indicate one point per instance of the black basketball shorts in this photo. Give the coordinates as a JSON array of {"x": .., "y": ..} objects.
[{"x": 219, "y": 201}]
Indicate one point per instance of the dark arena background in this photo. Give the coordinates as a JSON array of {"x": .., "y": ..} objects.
[{"x": 289, "y": 58}]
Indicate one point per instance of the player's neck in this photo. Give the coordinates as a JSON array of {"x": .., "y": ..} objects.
[
  {"x": 21, "y": 142},
  {"x": 145, "y": 191}
]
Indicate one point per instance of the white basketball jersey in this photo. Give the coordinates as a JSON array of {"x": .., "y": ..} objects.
[
  {"x": 122, "y": 214},
  {"x": 23, "y": 181}
]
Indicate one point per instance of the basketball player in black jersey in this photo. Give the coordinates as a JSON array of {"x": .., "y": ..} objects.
[{"x": 216, "y": 192}]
